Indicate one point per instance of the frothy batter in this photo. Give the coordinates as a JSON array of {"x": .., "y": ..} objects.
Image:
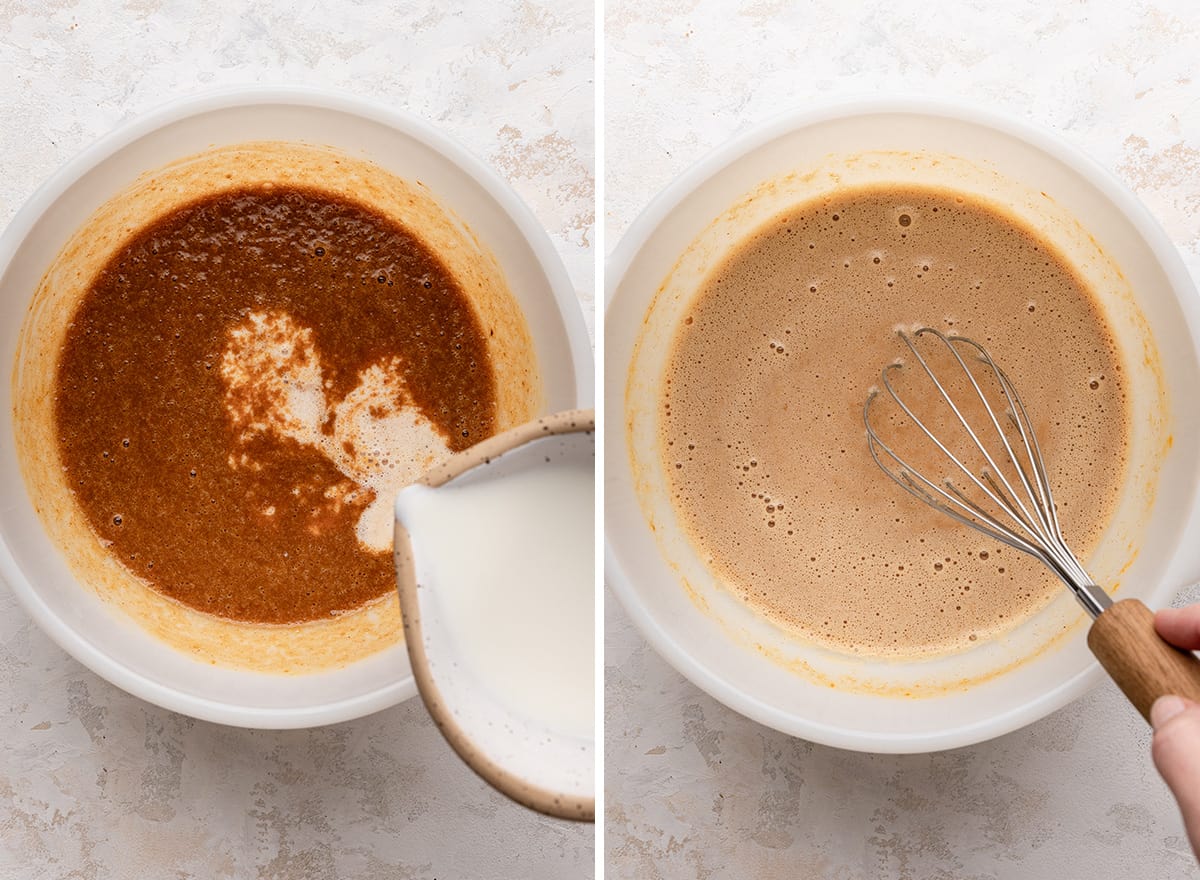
[{"x": 762, "y": 435}]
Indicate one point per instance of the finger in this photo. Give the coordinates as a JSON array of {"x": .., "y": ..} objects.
[
  {"x": 1180, "y": 626},
  {"x": 1176, "y": 753}
]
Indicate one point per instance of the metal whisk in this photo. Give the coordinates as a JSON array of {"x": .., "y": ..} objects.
[
  {"x": 1012, "y": 502},
  {"x": 1019, "y": 491}
]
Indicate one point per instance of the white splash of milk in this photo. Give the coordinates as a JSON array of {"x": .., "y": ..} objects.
[
  {"x": 273, "y": 380},
  {"x": 393, "y": 445},
  {"x": 274, "y": 385}
]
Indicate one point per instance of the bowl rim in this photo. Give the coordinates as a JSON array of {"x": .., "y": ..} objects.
[
  {"x": 713, "y": 162},
  {"x": 323, "y": 99}
]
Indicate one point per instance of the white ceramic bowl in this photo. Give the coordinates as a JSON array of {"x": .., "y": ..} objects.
[
  {"x": 755, "y": 667},
  {"x": 76, "y": 618}
]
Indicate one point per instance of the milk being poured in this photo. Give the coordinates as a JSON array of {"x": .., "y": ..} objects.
[{"x": 504, "y": 556}]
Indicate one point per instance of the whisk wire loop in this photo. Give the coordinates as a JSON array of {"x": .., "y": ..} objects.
[
  {"x": 919, "y": 486},
  {"x": 979, "y": 483},
  {"x": 1010, "y": 502},
  {"x": 1028, "y": 520},
  {"x": 1042, "y": 501}
]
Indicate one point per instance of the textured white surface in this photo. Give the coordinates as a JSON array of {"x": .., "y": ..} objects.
[
  {"x": 95, "y": 783},
  {"x": 696, "y": 791}
]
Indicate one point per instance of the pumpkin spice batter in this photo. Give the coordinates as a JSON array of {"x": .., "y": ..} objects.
[
  {"x": 762, "y": 433},
  {"x": 246, "y": 384}
]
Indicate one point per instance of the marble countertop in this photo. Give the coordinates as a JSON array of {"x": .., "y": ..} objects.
[
  {"x": 95, "y": 783},
  {"x": 695, "y": 790}
]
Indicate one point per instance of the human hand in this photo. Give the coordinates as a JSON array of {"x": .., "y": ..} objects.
[{"x": 1176, "y": 722}]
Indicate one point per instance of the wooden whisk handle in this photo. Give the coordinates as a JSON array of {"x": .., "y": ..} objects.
[{"x": 1144, "y": 667}]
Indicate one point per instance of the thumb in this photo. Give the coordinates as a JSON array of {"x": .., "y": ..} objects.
[{"x": 1176, "y": 753}]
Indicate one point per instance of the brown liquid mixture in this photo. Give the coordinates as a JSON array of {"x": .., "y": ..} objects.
[
  {"x": 234, "y": 378},
  {"x": 762, "y": 434}
]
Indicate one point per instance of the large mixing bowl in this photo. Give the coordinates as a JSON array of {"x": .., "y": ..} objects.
[
  {"x": 1151, "y": 548},
  {"x": 93, "y": 630}
]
